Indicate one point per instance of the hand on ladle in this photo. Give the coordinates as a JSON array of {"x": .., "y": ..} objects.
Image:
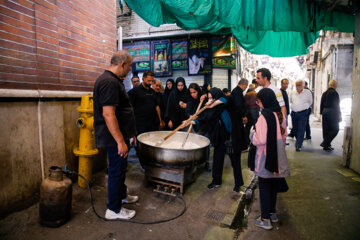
[
  {"x": 212, "y": 103},
  {"x": 187, "y": 123}
]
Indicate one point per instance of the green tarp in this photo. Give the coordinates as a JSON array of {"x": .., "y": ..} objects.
[{"x": 279, "y": 28}]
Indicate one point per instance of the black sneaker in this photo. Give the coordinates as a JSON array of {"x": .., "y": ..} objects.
[
  {"x": 328, "y": 149},
  {"x": 213, "y": 185},
  {"x": 298, "y": 149},
  {"x": 236, "y": 189},
  {"x": 307, "y": 138}
]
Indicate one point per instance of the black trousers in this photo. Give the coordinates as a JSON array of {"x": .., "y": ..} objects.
[
  {"x": 116, "y": 180},
  {"x": 268, "y": 195},
  {"x": 308, "y": 130},
  {"x": 218, "y": 165},
  {"x": 236, "y": 165},
  {"x": 299, "y": 126},
  {"x": 330, "y": 126},
  {"x": 253, "y": 115}
]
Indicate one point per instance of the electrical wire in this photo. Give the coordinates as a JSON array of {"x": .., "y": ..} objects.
[{"x": 127, "y": 220}]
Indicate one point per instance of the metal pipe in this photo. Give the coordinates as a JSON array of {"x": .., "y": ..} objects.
[
  {"x": 120, "y": 38},
  {"x": 20, "y": 93},
  {"x": 41, "y": 142}
]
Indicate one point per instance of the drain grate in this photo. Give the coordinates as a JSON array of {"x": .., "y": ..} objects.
[{"x": 215, "y": 216}]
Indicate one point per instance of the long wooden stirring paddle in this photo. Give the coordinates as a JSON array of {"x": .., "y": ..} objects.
[
  {"x": 188, "y": 131},
  {"x": 180, "y": 126}
]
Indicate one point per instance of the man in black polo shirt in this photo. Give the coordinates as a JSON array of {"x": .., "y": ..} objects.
[
  {"x": 114, "y": 124},
  {"x": 146, "y": 109}
]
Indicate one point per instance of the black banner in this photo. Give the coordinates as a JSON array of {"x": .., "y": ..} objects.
[{"x": 199, "y": 56}]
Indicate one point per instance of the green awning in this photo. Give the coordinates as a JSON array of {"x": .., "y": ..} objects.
[{"x": 279, "y": 28}]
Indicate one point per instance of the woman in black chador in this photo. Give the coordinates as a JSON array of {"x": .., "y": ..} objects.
[
  {"x": 176, "y": 106},
  {"x": 170, "y": 85}
]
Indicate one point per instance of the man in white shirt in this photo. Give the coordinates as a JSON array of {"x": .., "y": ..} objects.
[
  {"x": 301, "y": 101},
  {"x": 263, "y": 77}
]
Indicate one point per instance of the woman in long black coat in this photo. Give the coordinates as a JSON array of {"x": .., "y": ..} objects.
[
  {"x": 176, "y": 106},
  {"x": 170, "y": 85},
  {"x": 220, "y": 131}
]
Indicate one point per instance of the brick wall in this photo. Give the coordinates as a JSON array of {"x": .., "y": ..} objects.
[{"x": 55, "y": 44}]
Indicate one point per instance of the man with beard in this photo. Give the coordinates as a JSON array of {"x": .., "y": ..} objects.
[{"x": 146, "y": 109}]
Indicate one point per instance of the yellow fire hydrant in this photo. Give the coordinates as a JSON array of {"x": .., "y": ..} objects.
[{"x": 86, "y": 147}]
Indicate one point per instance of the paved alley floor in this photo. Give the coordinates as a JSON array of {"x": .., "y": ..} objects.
[
  {"x": 323, "y": 201},
  {"x": 207, "y": 216}
]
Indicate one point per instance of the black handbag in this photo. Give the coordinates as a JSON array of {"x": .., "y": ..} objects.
[
  {"x": 282, "y": 185},
  {"x": 251, "y": 157}
]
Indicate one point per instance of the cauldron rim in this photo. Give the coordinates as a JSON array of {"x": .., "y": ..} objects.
[{"x": 177, "y": 149}]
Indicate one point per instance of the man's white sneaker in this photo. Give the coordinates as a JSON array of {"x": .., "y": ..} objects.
[
  {"x": 130, "y": 199},
  {"x": 123, "y": 214}
]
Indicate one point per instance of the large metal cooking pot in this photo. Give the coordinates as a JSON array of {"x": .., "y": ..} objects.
[{"x": 170, "y": 152}]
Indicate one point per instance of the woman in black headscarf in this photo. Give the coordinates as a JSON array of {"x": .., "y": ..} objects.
[
  {"x": 219, "y": 129},
  {"x": 175, "y": 110},
  {"x": 271, "y": 164},
  {"x": 168, "y": 88},
  {"x": 205, "y": 88},
  {"x": 194, "y": 100}
]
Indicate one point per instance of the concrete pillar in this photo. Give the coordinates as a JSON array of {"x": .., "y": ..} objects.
[{"x": 355, "y": 123}]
